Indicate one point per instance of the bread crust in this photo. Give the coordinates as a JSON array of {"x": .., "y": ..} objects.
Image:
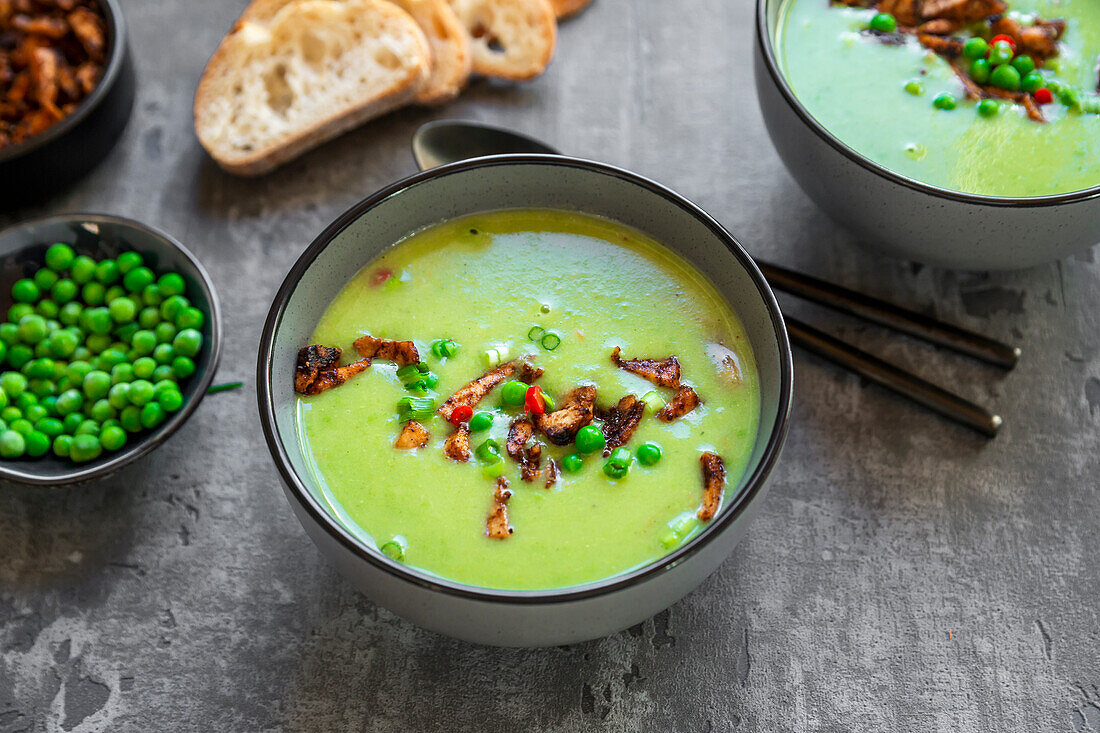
[
  {"x": 526, "y": 32},
  {"x": 452, "y": 60},
  {"x": 566, "y": 8}
]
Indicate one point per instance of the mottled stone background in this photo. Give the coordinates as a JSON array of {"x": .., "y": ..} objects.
[{"x": 904, "y": 574}]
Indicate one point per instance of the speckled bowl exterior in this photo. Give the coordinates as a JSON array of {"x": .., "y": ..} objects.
[
  {"x": 519, "y": 618},
  {"x": 903, "y": 217},
  {"x": 22, "y": 251}
]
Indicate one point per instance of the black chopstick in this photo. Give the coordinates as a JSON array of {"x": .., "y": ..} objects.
[
  {"x": 892, "y": 316},
  {"x": 894, "y": 378}
]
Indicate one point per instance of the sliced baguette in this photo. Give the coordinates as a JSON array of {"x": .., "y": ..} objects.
[
  {"x": 565, "y": 8},
  {"x": 292, "y": 75},
  {"x": 451, "y": 53},
  {"x": 512, "y": 39}
]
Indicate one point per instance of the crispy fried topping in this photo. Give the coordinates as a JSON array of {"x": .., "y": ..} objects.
[
  {"x": 665, "y": 373},
  {"x": 318, "y": 369},
  {"x": 552, "y": 473},
  {"x": 528, "y": 457},
  {"x": 684, "y": 401},
  {"x": 576, "y": 411},
  {"x": 907, "y": 12},
  {"x": 457, "y": 447},
  {"x": 714, "y": 481},
  {"x": 943, "y": 45},
  {"x": 496, "y": 524},
  {"x": 413, "y": 435},
  {"x": 402, "y": 353},
  {"x": 620, "y": 421},
  {"x": 1041, "y": 40},
  {"x": 476, "y": 390},
  {"x": 963, "y": 11},
  {"x": 939, "y": 27}
]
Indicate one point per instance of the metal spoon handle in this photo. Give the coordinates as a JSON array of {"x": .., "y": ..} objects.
[
  {"x": 892, "y": 316},
  {"x": 894, "y": 378}
]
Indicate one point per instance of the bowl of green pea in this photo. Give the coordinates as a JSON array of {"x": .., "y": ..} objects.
[{"x": 109, "y": 338}]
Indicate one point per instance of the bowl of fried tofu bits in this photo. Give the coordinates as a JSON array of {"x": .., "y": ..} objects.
[{"x": 292, "y": 74}]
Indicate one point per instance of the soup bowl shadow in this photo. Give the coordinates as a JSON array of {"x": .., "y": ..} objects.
[
  {"x": 507, "y": 617},
  {"x": 904, "y": 217}
]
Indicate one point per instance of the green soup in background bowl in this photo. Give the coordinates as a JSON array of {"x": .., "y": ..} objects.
[{"x": 482, "y": 252}]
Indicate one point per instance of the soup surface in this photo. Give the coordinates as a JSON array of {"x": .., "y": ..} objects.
[
  {"x": 855, "y": 86},
  {"x": 486, "y": 281}
]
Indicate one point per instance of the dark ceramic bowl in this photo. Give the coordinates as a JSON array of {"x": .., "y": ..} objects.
[
  {"x": 22, "y": 251},
  {"x": 904, "y": 217},
  {"x": 67, "y": 151},
  {"x": 504, "y": 617}
]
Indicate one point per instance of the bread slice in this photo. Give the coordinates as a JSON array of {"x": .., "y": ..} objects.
[
  {"x": 565, "y": 8},
  {"x": 450, "y": 43},
  {"x": 512, "y": 39},
  {"x": 292, "y": 75}
]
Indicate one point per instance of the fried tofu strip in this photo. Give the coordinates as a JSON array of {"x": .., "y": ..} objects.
[
  {"x": 963, "y": 11},
  {"x": 665, "y": 373},
  {"x": 620, "y": 421},
  {"x": 496, "y": 525},
  {"x": 684, "y": 401},
  {"x": 714, "y": 482},
  {"x": 413, "y": 435},
  {"x": 457, "y": 447},
  {"x": 553, "y": 473},
  {"x": 318, "y": 369},
  {"x": 476, "y": 390},
  {"x": 402, "y": 353},
  {"x": 520, "y": 433},
  {"x": 561, "y": 426}
]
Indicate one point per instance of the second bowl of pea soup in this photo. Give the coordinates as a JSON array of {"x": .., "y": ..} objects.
[{"x": 509, "y": 404}]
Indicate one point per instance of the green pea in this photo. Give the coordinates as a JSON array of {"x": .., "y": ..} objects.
[
  {"x": 143, "y": 367},
  {"x": 82, "y": 269},
  {"x": 22, "y": 426},
  {"x": 1024, "y": 64},
  {"x": 88, "y": 427},
  {"x": 25, "y": 400},
  {"x": 9, "y": 333},
  {"x": 141, "y": 392},
  {"x": 914, "y": 87},
  {"x": 98, "y": 321},
  {"x": 164, "y": 353},
  {"x": 77, "y": 370},
  {"x": 988, "y": 108},
  {"x": 42, "y": 348},
  {"x": 39, "y": 368},
  {"x": 122, "y": 310},
  {"x": 119, "y": 395},
  {"x": 143, "y": 342},
  {"x": 93, "y": 293},
  {"x": 1000, "y": 53},
  {"x": 152, "y": 295},
  {"x": 72, "y": 421},
  {"x": 152, "y": 415},
  {"x": 183, "y": 367},
  {"x": 59, "y": 256},
  {"x": 46, "y": 308},
  {"x": 572, "y": 463},
  {"x": 19, "y": 355},
  {"x": 9, "y": 414},
  {"x": 97, "y": 343},
  {"x": 32, "y": 328},
  {"x": 64, "y": 290},
  {"x": 165, "y": 332},
  {"x": 1005, "y": 77},
  {"x": 1032, "y": 82},
  {"x": 69, "y": 314},
  {"x": 980, "y": 71},
  {"x": 171, "y": 283},
  {"x": 590, "y": 439},
  {"x": 50, "y": 403},
  {"x": 101, "y": 410},
  {"x": 25, "y": 291},
  {"x": 171, "y": 400},
  {"x": 975, "y": 48},
  {"x": 113, "y": 438},
  {"x": 63, "y": 344},
  {"x": 130, "y": 419},
  {"x": 115, "y": 291},
  {"x": 193, "y": 318},
  {"x": 128, "y": 261},
  {"x": 172, "y": 306},
  {"x": 44, "y": 278},
  {"x": 85, "y": 448},
  {"x": 97, "y": 384},
  {"x": 34, "y": 413},
  {"x": 162, "y": 372},
  {"x": 3, "y": 351},
  {"x": 13, "y": 384},
  {"x": 20, "y": 310},
  {"x": 12, "y": 444},
  {"x": 883, "y": 23},
  {"x": 62, "y": 444},
  {"x": 649, "y": 453},
  {"x": 481, "y": 421},
  {"x": 42, "y": 388},
  {"x": 122, "y": 373},
  {"x": 107, "y": 272},
  {"x": 50, "y": 426},
  {"x": 512, "y": 394},
  {"x": 188, "y": 342},
  {"x": 82, "y": 353},
  {"x": 149, "y": 318},
  {"x": 138, "y": 278},
  {"x": 37, "y": 443},
  {"x": 69, "y": 401}
]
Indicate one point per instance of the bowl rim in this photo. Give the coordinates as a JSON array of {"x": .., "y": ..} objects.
[
  {"x": 753, "y": 485},
  {"x": 116, "y": 26},
  {"x": 101, "y": 468},
  {"x": 764, "y": 43}
]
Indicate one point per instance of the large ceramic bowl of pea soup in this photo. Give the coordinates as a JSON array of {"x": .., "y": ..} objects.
[
  {"x": 525, "y": 400},
  {"x": 960, "y": 133}
]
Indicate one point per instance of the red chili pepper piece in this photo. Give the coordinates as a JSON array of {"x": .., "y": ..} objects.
[
  {"x": 1043, "y": 96},
  {"x": 379, "y": 277},
  {"x": 533, "y": 402},
  {"x": 462, "y": 414},
  {"x": 1007, "y": 39}
]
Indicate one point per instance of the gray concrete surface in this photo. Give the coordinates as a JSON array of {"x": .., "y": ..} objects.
[{"x": 904, "y": 575}]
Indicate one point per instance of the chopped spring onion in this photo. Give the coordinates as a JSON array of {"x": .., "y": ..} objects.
[
  {"x": 494, "y": 469},
  {"x": 415, "y": 408},
  {"x": 444, "y": 348},
  {"x": 550, "y": 341},
  {"x": 418, "y": 388},
  {"x": 395, "y": 548},
  {"x": 535, "y": 333},
  {"x": 430, "y": 380},
  {"x": 489, "y": 451},
  {"x": 548, "y": 401},
  {"x": 409, "y": 373},
  {"x": 679, "y": 528},
  {"x": 491, "y": 358},
  {"x": 654, "y": 401}
]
